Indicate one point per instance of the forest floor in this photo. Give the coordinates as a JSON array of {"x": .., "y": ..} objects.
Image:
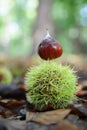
[{"x": 15, "y": 116}]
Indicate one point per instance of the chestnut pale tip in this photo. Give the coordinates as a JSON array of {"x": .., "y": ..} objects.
[{"x": 47, "y": 35}]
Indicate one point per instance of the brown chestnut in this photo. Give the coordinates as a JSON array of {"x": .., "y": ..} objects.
[{"x": 49, "y": 48}]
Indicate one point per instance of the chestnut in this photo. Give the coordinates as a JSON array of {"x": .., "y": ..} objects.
[{"x": 49, "y": 48}]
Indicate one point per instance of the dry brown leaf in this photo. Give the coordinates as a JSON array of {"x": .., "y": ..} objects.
[
  {"x": 65, "y": 125},
  {"x": 48, "y": 117},
  {"x": 82, "y": 94}
]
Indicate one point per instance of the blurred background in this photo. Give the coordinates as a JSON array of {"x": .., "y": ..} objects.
[{"x": 23, "y": 25}]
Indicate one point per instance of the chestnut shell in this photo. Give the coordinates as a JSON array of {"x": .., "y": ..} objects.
[{"x": 49, "y": 49}]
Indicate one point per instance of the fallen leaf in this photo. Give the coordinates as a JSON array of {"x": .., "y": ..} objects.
[
  {"x": 82, "y": 94},
  {"x": 48, "y": 117},
  {"x": 12, "y": 91},
  {"x": 65, "y": 125},
  {"x": 79, "y": 110},
  {"x": 62, "y": 125}
]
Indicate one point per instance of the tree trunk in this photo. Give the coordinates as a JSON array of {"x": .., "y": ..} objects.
[{"x": 43, "y": 21}]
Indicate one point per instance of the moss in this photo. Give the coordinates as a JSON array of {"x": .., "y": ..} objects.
[
  {"x": 50, "y": 83},
  {"x": 5, "y": 75}
]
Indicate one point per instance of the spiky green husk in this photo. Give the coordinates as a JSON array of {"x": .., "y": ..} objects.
[
  {"x": 6, "y": 75},
  {"x": 50, "y": 83}
]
